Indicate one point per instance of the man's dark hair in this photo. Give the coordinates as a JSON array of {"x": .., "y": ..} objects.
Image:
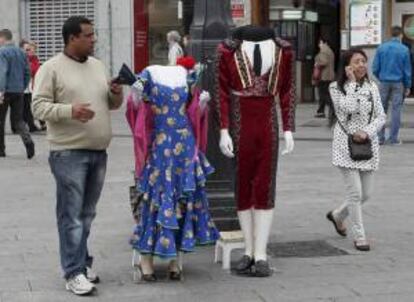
[
  {"x": 23, "y": 42},
  {"x": 396, "y": 31},
  {"x": 72, "y": 26},
  {"x": 6, "y": 33},
  {"x": 324, "y": 39}
]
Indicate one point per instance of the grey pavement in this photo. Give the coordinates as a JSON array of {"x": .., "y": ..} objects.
[{"x": 308, "y": 186}]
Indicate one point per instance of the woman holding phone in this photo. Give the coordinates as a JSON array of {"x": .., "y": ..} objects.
[{"x": 358, "y": 114}]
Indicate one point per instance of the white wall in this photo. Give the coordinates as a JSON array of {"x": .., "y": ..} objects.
[
  {"x": 10, "y": 17},
  {"x": 400, "y": 9},
  {"x": 114, "y": 26}
]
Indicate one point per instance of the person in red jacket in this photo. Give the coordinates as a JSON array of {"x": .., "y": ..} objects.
[
  {"x": 30, "y": 48},
  {"x": 253, "y": 69}
]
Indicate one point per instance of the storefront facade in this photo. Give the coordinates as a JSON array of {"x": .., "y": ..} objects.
[
  {"x": 153, "y": 19},
  {"x": 368, "y": 23}
]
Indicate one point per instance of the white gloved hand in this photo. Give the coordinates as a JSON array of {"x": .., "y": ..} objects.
[
  {"x": 289, "y": 143},
  {"x": 137, "y": 90},
  {"x": 226, "y": 143},
  {"x": 204, "y": 99}
]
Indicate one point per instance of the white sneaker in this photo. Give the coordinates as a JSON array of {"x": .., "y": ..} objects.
[
  {"x": 92, "y": 276},
  {"x": 79, "y": 285}
]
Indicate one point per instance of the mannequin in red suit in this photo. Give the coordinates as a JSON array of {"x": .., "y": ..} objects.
[{"x": 253, "y": 69}]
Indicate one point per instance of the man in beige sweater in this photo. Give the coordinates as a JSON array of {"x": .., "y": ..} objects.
[{"x": 73, "y": 96}]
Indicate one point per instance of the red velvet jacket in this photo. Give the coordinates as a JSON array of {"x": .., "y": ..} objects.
[{"x": 234, "y": 74}]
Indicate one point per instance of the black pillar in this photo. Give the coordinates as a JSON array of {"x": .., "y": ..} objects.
[{"x": 212, "y": 23}]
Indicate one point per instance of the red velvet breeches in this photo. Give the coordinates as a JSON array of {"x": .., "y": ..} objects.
[{"x": 256, "y": 145}]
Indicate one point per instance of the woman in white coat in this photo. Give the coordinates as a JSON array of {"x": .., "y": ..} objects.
[{"x": 359, "y": 113}]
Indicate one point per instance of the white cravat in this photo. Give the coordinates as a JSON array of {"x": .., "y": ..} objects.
[
  {"x": 267, "y": 49},
  {"x": 171, "y": 76}
]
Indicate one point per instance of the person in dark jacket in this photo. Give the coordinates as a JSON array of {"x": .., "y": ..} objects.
[{"x": 14, "y": 78}]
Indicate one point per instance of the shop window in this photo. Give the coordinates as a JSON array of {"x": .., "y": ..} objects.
[
  {"x": 46, "y": 18},
  {"x": 163, "y": 17}
]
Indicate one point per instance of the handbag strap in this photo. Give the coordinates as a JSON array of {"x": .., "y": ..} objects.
[{"x": 370, "y": 115}]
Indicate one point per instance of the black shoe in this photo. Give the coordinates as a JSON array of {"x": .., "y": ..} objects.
[
  {"x": 175, "y": 276},
  {"x": 330, "y": 217},
  {"x": 263, "y": 269},
  {"x": 149, "y": 278},
  {"x": 320, "y": 115},
  {"x": 30, "y": 150},
  {"x": 2, "y": 153},
  {"x": 244, "y": 265},
  {"x": 33, "y": 129}
]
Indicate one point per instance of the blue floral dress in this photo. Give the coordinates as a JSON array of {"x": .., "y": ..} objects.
[{"x": 174, "y": 213}]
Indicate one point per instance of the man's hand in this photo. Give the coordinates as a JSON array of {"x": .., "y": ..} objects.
[
  {"x": 82, "y": 113},
  {"x": 407, "y": 92},
  {"x": 116, "y": 89},
  {"x": 1, "y": 97}
]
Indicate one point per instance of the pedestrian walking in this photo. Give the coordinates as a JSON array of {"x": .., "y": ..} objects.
[
  {"x": 29, "y": 48},
  {"x": 73, "y": 96},
  {"x": 392, "y": 67},
  {"x": 359, "y": 117},
  {"x": 14, "y": 78},
  {"x": 325, "y": 62},
  {"x": 174, "y": 48}
]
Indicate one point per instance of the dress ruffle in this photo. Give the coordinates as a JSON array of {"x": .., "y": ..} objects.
[{"x": 178, "y": 219}]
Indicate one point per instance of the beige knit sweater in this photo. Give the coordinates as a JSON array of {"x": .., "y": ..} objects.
[{"x": 61, "y": 82}]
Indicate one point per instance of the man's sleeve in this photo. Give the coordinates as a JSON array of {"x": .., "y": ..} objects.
[
  {"x": 287, "y": 88},
  {"x": 114, "y": 101},
  {"x": 376, "y": 64},
  {"x": 44, "y": 104},
  {"x": 407, "y": 70},
  {"x": 323, "y": 59},
  {"x": 4, "y": 66}
]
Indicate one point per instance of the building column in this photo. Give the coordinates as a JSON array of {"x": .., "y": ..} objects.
[
  {"x": 260, "y": 12},
  {"x": 212, "y": 23},
  {"x": 10, "y": 18}
]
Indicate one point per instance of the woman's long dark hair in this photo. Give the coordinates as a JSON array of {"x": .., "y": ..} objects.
[{"x": 342, "y": 77}]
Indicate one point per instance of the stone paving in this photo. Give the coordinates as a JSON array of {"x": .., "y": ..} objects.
[{"x": 308, "y": 186}]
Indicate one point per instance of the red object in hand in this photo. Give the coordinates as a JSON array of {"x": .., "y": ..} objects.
[
  {"x": 187, "y": 62},
  {"x": 316, "y": 74}
]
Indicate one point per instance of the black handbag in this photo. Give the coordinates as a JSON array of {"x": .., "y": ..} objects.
[{"x": 359, "y": 150}]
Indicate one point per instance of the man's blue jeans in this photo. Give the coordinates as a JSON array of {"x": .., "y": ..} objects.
[
  {"x": 79, "y": 175},
  {"x": 392, "y": 93}
]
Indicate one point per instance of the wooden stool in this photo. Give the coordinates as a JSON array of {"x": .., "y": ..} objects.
[{"x": 228, "y": 242}]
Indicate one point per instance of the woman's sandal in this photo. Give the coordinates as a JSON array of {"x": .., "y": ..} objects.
[
  {"x": 331, "y": 218},
  {"x": 146, "y": 277},
  {"x": 362, "y": 245},
  {"x": 175, "y": 276}
]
